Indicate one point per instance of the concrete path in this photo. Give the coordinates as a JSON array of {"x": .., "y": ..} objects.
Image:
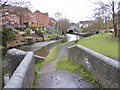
[{"x": 49, "y": 77}]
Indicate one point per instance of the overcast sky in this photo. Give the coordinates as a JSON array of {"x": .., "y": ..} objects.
[{"x": 74, "y": 10}]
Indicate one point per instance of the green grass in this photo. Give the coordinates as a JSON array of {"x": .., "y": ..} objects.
[
  {"x": 65, "y": 64},
  {"x": 51, "y": 56},
  {"x": 102, "y": 43},
  {"x": 1, "y": 46}
]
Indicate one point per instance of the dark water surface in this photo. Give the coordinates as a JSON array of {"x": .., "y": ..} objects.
[{"x": 3, "y": 57}]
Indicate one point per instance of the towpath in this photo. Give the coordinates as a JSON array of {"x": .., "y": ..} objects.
[{"x": 49, "y": 77}]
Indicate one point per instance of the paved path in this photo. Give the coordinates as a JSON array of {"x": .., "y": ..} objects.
[{"x": 49, "y": 77}]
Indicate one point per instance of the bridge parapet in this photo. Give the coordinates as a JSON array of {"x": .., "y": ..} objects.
[
  {"x": 21, "y": 65},
  {"x": 104, "y": 69}
]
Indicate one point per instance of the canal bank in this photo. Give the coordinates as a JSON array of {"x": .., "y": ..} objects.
[
  {"x": 36, "y": 46},
  {"x": 33, "y": 47},
  {"x": 50, "y": 77}
]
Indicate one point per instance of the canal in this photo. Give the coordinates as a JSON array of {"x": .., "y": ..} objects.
[
  {"x": 33, "y": 47},
  {"x": 3, "y": 56}
]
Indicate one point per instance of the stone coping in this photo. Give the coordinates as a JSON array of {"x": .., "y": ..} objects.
[{"x": 105, "y": 59}]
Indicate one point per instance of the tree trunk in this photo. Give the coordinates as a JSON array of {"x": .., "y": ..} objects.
[
  {"x": 115, "y": 26},
  {"x": 114, "y": 21}
]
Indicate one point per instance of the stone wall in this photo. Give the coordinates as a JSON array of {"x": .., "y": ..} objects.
[
  {"x": 21, "y": 65},
  {"x": 105, "y": 70},
  {"x": 45, "y": 49},
  {"x": 23, "y": 75}
]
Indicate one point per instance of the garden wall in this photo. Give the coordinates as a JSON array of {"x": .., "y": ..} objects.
[{"x": 105, "y": 70}]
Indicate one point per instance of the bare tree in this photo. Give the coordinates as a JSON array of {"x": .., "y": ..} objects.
[
  {"x": 108, "y": 11},
  {"x": 20, "y": 8},
  {"x": 21, "y": 3},
  {"x": 96, "y": 25},
  {"x": 64, "y": 25},
  {"x": 58, "y": 16}
]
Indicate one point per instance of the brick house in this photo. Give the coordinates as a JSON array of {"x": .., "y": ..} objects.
[
  {"x": 25, "y": 16},
  {"x": 9, "y": 18},
  {"x": 41, "y": 19},
  {"x": 52, "y": 21}
]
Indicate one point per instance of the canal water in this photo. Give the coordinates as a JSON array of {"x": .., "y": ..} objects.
[
  {"x": 71, "y": 37},
  {"x": 3, "y": 57},
  {"x": 32, "y": 47}
]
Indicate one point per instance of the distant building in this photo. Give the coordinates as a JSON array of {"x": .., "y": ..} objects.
[
  {"x": 9, "y": 18},
  {"x": 41, "y": 19},
  {"x": 84, "y": 24},
  {"x": 21, "y": 17},
  {"x": 24, "y": 14},
  {"x": 52, "y": 21}
]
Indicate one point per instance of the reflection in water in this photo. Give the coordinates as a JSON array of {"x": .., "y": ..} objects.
[
  {"x": 71, "y": 37},
  {"x": 42, "y": 52},
  {"x": 35, "y": 46}
]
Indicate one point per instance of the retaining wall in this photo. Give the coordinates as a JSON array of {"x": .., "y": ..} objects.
[
  {"x": 105, "y": 70},
  {"x": 44, "y": 51}
]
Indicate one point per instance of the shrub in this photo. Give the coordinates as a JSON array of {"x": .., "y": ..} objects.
[
  {"x": 28, "y": 31},
  {"x": 38, "y": 32},
  {"x": 15, "y": 31},
  {"x": 7, "y": 35}
]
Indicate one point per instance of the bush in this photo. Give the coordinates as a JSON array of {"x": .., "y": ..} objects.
[
  {"x": 38, "y": 32},
  {"x": 28, "y": 31},
  {"x": 15, "y": 31},
  {"x": 7, "y": 35}
]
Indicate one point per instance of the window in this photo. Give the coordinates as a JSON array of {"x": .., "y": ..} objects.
[{"x": 7, "y": 13}]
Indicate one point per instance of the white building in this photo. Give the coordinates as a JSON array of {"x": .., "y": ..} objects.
[{"x": 84, "y": 24}]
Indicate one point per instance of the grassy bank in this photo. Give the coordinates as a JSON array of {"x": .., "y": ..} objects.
[
  {"x": 51, "y": 56},
  {"x": 102, "y": 43},
  {"x": 65, "y": 64}
]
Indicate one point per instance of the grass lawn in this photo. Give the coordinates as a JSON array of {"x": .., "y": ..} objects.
[
  {"x": 65, "y": 64},
  {"x": 102, "y": 43}
]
